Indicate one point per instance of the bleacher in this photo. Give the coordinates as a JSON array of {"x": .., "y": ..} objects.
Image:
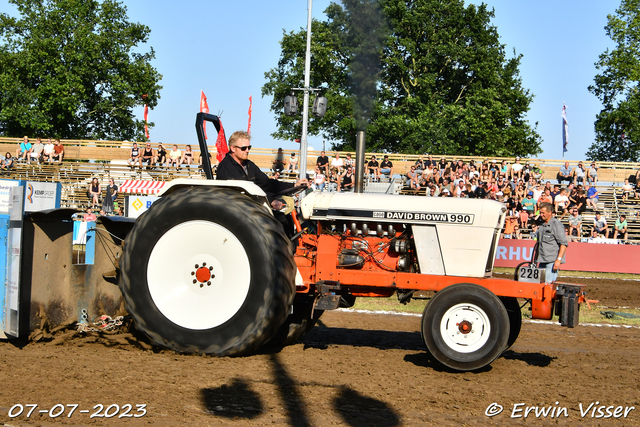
[{"x": 85, "y": 159}]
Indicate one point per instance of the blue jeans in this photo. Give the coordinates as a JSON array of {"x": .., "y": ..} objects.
[{"x": 551, "y": 274}]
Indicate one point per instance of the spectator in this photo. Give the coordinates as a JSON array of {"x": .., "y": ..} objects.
[
  {"x": 48, "y": 150},
  {"x": 120, "y": 212},
  {"x": 565, "y": 174},
  {"x": 592, "y": 176},
  {"x": 430, "y": 161},
  {"x": 414, "y": 179},
  {"x": 175, "y": 156},
  {"x": 134, "y": 156},
  {"x": 575, "y": 223},
  {"x": 36, "y": 151},
  {"x": 58, "y": 152},
  {"x": 433, "y": 191},
  {"x": 537, "y": 191},
  {"x": 442, "y": 165},
  {"x": 278, "y": 161},
  {"x": 580, "y": 201},
  {"x": 347, "y": 179},
  {"x": 23, "y": 150},
  {"x": 504, "y": 170},
  {"x": 458, "y": 190},
  {"x": 600, "y": 227},
  {"x": 7, "y": 162},
  {"x": 386, "y": 167},
  {"x": 292, "y": 163},
  {"x": 529, "y": 204},
  {"x": 319, "y": 179},
  {"x": 161, "y": 155},
  {"x": 561, "y": 203},
  {"x": 545, "y": 197},
  {"x": 494, "y": 169},
  {"x": 627, "y": 189},
  {"x": 187, "y": 156},
  {"x": 349, "y": 162},
  {"x": 592, "y": 196},
  {"x": 481, "y": 191},
  {"x": 485, "y": 173},
  {"x": 111, "y": 194},
  {"x": 276, "y": 175},
  {"x": 90, "y": 216},
  {"x": 620, "y": 228},
  {"x": 94, "y": 192},
  {"x": 536, "y": 172},
  {"x": 579, "y": 174},
  {"x": 323, "y": 163},
  {"x": 374, "y": 168},
  {"x": 473, "y": 172},
  {"x": 419, "y": 164},
  {"x": 338, "y": 163},
  {"x": 334, "y": 179},
  {"x": 445, "y": 193},
  {"x": 148, "y": 155},
  {"x": 516, "y": 170}
]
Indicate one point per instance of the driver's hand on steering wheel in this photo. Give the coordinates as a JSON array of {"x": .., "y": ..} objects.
[
  {"x": 277, "y": 205},
  {"x": 302, "y": 181}
]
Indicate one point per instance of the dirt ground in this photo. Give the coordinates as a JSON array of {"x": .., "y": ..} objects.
[{"x": 353, "y": 369}]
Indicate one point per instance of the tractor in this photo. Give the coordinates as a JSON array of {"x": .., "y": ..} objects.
[{"x": 207, "y": 269}]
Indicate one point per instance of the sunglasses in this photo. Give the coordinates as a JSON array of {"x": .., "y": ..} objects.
[{"x": 245, "y": 148}]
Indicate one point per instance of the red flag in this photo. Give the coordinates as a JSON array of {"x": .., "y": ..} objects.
[
  {"x": 249, "y": 126},
  {"x": 204, "y": 108},
  {"x": 146, "y": 120},
  {"x": 221, "y": 144}
]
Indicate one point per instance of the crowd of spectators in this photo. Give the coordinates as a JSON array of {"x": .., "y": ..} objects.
[
  {"x": 37, "y": 153},
  {"x": 521, "y": 188}
]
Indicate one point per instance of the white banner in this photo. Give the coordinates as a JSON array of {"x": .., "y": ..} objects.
[{"x": 136, "y": 205}]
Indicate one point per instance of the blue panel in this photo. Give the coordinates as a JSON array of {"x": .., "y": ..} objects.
[
  {"x": 4, "y": 228},
  {"x": 90, "y": 249}
]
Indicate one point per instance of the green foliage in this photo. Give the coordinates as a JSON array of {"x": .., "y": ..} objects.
[
  {"x": 617, "y": 126},
  {"x": 443, "y": 85},
  {"x": 72, "y": 69}
]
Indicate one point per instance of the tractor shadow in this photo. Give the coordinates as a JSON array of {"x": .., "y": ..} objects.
[
  {"x": 321, "y": 337},
  {"x": 238, "y": 400}
]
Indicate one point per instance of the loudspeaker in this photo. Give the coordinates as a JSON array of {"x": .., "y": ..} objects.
[
  {"x": 319, "y": 106},
  {"x": 290, "y": 105}
]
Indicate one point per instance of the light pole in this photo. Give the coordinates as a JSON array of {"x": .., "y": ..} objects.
[{"x": 305, "y": 103}]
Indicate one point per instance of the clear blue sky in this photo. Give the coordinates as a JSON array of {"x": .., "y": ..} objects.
[{"x": 224, "y": 49}]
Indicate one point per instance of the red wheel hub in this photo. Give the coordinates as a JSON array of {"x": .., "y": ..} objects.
[
  {"x": 203, "y": 274},
  {"x": 464, "y": 327}
]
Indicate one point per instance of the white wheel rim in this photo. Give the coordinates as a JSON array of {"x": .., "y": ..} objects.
[
  {"x": 454, "y": 321},
  {"x": 170, "y": 278}
]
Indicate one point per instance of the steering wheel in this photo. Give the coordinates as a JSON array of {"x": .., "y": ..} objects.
[{"x": 291, "y": 191}]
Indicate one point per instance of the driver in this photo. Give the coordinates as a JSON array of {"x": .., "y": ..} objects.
[{"x": 236, "y": 165}]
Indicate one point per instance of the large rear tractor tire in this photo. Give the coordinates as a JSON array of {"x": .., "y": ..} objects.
[
  {"x": 515, "y": 319},
  {"x": 208, "y": 270},
  {"x": 465, "y": 327},
  {"x": 301, "y": 321}
]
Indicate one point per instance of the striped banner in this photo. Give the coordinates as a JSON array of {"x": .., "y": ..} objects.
[{"x": 136, "y": 186}]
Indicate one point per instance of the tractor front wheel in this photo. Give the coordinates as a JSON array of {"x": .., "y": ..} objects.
[{"x": 465, "y": 327}]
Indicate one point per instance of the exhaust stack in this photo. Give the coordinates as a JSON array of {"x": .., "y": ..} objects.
[{"x": 359, "y": 175}]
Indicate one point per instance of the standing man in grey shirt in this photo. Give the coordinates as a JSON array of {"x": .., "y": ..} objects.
[{"x": 552, "y": 242}]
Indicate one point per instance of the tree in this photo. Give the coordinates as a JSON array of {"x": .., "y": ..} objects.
[
  {"x": 445, "y": 85},
  {"x": 73, "y": 69},
  {"x": 617, "y": 126}
]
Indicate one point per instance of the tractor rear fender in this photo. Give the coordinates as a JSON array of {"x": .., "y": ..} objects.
[{"x": 243, "y": 187}]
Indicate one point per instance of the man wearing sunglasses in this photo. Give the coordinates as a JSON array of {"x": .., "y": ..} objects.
[{"x": 237, "y": 166}]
